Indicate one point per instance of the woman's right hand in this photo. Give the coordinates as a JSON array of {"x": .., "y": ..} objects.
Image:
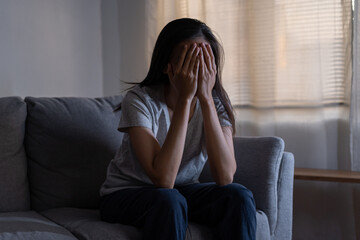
[{"x": 184, "y": 76}]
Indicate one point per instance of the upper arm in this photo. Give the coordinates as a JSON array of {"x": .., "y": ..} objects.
[
  {"x": 136, "y": 120},
  {"x": 145, "y": 147},
  {"x": 135, "y": 112}
]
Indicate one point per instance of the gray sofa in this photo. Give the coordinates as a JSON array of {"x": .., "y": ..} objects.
[{"x": 53, "y": 158}]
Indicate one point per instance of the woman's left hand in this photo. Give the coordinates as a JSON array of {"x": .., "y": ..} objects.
[{"x": 207, "y": 73}]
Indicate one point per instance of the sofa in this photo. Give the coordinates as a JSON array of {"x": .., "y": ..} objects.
[{"x": 54, "y": 154}]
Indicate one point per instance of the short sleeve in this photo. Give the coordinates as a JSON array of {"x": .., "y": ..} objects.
[
  {"x": 221, "y": 112},
  {"x": 135, "y": 112}
]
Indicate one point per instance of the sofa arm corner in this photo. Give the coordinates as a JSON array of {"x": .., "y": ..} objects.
[
  {"x": 265, "y": 169},
  {"x": 258, "y": 168},
  {"x": 283, "y": 229}
]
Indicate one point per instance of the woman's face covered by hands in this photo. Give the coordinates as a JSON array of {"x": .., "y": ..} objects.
[{"x": 192, "y": 64}]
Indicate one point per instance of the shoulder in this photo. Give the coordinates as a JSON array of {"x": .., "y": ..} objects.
[
  {"x": 145, "y": 93},
  {"x": 148, "y": 100},
  {"x": 136, "y": 93},
  {"x": 139, "y": 94}
]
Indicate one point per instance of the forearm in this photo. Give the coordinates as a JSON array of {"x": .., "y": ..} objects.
[
  {"x": 220, "y": 155},
  {"x": 167, "y": 161}
]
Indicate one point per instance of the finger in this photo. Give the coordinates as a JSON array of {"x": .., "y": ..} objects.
[
  {"x": 182, "y": 58},
  {"x": 193, "y": 59},
  {"x": 188, "y": 58},
  {"x": 202, "y": 63},
  {"x": 197, "y": 67},
  {"x": 197, "y": 73},
  {"x": 207, "y": 56},
  {"x": 212, "y": 57}
]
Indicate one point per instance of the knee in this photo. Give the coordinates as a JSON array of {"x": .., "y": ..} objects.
[
  {"x": 170, "y": 199},
  {"x": 237, "y": 193}
]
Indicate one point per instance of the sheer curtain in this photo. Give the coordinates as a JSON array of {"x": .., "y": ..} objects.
[
  {"x": 355, "y": 94},
  {"x": 288, "y": 72},
  {"x": 355, "y": 110}
]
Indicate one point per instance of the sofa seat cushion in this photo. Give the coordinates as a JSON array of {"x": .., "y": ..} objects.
[
  {"x": 30, "y": 225},
  {"x": 262, "y": 226},
  {"x": 14, "y": 189},
  {"x": 86, "y": 224}
]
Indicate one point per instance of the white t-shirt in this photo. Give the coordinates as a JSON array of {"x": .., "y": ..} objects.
[{"x": 146, "y": 107}]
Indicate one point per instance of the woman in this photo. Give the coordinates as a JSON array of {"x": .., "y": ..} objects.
[{"x": 174, "y": 121}]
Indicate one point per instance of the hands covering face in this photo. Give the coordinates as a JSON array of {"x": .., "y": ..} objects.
[
  {"x": 195, "y": 72},
  {"x": 207, "y": 73}
]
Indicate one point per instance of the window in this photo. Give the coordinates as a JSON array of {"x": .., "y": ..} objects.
[{"x": 280, "y": 53}]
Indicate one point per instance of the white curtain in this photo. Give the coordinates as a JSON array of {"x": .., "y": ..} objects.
[
  {"x": 355, "y": 94},
  {"x": 355, "y": 111},
  {"x": 288, "y": 72}
]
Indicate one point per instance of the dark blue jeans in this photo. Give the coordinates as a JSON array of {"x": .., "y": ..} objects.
[{"x": 163, "y": 213}]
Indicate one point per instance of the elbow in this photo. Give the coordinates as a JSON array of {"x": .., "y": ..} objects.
[
  {"x": 225, "y": 177},
  {"x": 163, "y": 183},
  {"x": 225, "y": 180},
  {"x": 161, "y": 178}
]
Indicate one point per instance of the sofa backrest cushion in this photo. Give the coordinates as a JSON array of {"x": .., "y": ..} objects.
[
  {"x": 69, "y": 143},
  {"x": 14, "y": 189}
]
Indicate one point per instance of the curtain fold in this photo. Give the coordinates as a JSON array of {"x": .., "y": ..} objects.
[
  {"x": 355, "y": 113},
  {"x": 355, "y": 94}
]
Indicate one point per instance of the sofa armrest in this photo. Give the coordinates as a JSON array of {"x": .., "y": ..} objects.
[
  {"x": 263, "y": 168},
  {"x": 283, "y": 229},
  {"x": 258, "y": 163}
]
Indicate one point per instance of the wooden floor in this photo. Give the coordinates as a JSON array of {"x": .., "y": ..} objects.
[{"x": 326, "y": 175}]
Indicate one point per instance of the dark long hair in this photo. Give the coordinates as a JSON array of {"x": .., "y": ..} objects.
[{"x": 172, "y": 34}]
